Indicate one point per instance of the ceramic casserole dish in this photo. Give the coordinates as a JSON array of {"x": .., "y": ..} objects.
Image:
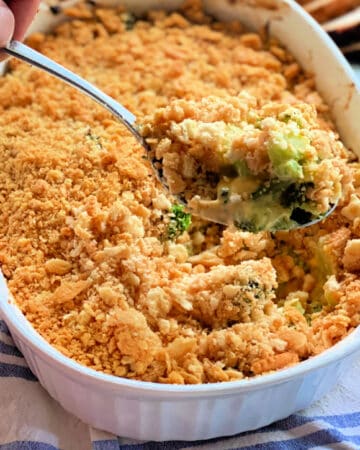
[{"x": 151, "y": 411}]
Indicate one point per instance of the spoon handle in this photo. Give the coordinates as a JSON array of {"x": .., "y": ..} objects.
[{"x": 27, "y": 54}]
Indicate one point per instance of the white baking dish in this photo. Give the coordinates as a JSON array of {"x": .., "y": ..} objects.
[{"x": 161, "y": 412}]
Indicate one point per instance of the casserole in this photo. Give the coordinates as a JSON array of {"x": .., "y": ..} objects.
[{"x": 150, "y": 411}]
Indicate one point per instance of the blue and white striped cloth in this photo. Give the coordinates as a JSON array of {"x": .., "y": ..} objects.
[{"x": 31, "y": 420}]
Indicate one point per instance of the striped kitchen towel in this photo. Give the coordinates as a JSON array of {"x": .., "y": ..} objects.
[{"x": 31, "y": 420}]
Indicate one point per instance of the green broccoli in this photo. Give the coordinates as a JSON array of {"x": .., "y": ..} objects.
[
  {"x": 295, "y": 194},
  {"x": 180, "y": 221},
  {"x": 246, "y": 225},
  {"x": 129, "y": 20},
  {"x": 273, "y": 187},
  {"x": 286, "y": 153}
]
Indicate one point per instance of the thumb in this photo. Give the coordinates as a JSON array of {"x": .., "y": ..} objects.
[{"x": 7, "y": 24}]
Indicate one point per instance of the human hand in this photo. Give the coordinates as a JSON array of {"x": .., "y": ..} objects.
[{"x": 15, "y": 18}]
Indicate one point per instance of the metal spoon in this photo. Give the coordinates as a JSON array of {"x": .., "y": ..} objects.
[
  {"x": 212, "y": 211},
  {"x": 233, "y": 213}
]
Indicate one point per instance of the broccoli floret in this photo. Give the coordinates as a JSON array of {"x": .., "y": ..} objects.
[
  {"x": 285, "y": 153},
  {"x": 180, "y": 221},
  {"x": 246, "y": 226},
  {"x": 289, "y": 170},
  {"x": 283, "y": 223},
  {"x": 295, "y": 194},
  {"x": 301, "y": 216},
  {"x": 274, "y": 187}
]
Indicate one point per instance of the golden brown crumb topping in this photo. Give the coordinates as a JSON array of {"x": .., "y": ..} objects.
[{"x": 83, "y": 226}]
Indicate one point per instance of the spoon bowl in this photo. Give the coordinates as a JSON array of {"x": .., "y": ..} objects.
[{"x": 232, "y": 213}]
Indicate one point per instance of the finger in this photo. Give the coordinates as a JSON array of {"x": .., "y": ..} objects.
[
  {"x": 24, "y": 12},
  {"x": 6, "y": 24}
]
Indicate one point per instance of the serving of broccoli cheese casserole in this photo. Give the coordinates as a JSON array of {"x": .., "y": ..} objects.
[
  {"x": 108, "y": 267},
  {"x": 268, "y": 168}
]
